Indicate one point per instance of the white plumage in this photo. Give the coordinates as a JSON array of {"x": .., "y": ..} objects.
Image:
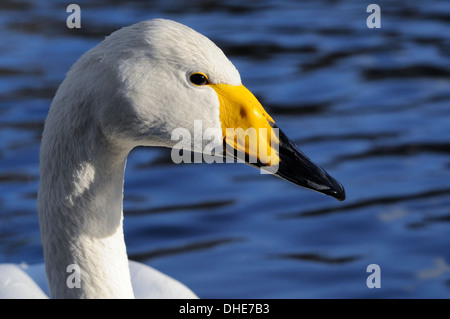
[
  {"x": 133, "y": 89},
  {"x": 30, "y": 282}
]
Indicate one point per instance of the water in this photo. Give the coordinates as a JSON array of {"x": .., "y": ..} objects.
[{"x": 371, "y": 106}]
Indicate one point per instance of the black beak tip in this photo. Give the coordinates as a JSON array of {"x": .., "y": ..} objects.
[
  {"x": 339, "y": 194},
  {"x": 336, "y": 189},
  {"x": 299, "y": 169}
]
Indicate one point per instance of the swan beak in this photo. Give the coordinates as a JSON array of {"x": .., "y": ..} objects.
[{"x": 251, "y": 135}]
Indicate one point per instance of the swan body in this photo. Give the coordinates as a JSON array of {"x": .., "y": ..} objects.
[
  {"x": 30, "y": 282},
  {"x": 134, "y": 89}
]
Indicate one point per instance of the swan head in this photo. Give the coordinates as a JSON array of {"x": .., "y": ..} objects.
[{"x": 157, "y": 82}]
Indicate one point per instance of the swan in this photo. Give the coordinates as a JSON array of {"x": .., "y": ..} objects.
[{"x": 134, "y": 89}]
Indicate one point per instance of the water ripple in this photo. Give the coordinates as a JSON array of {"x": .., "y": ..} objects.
[
  {"x": 183, "y": 207},
  {"x": 382, "y": 200},
  {"x": 414, "y": 71},
  {"x": 182, "y": 249},
  {"x": 319, "y": 258},
  {"x": 407, "y": 149}
]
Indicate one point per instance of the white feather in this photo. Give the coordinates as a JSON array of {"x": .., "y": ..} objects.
[{"x": 132, "y": 89}]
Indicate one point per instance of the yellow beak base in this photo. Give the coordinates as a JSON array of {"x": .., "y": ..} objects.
[{"x": 246, "y": 126}]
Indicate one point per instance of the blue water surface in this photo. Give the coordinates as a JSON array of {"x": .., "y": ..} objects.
[{"x": 371, "y": 106}]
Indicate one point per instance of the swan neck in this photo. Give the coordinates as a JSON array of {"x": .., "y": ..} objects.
[{"x": 80, "y": 214}]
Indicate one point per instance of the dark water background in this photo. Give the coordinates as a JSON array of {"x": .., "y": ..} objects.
[{"x": 372, "y": 106}]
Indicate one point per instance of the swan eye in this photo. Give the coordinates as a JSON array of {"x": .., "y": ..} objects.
[{"x": 199, "y": 79}]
